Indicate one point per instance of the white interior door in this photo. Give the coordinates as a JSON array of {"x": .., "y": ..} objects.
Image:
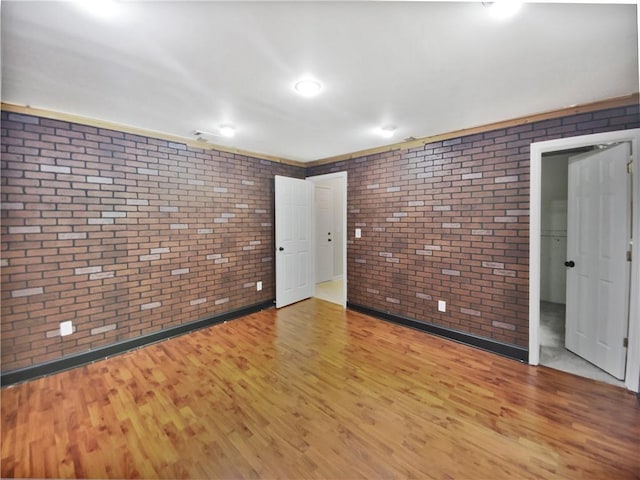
[
  {"x": 294, "y": 240},
  {"x": 324, "y": 233},
  {"x": 597, "y": 242}
]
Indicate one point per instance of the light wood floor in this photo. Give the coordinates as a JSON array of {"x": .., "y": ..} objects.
[
  {"x": 329, "y": 291},
  {"x": 312, "y": 391}
]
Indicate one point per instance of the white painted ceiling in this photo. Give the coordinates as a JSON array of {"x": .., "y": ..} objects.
[{"x": 424, "y": 67}]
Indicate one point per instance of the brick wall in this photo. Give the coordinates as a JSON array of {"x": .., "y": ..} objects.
[
  {"x": 124, "y": 235},
  {"x": 450, "y": 221}
]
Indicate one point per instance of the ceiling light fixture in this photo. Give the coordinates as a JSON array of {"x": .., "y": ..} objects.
[
  {"x": 99, "y": 8},
  {"x": 227, "y": 131},
  {"x": 307, "y": 87},
  {"x": 388, "y": 131},
  {"x": 224, "y": 131},
  {"x": 502, "y": 9}
]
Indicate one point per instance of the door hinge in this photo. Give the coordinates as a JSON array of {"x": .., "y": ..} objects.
[
  {"x": 630, "y": 167},
  {"x": 628, "y": 255},
  {"x": 625, "y": 342}
]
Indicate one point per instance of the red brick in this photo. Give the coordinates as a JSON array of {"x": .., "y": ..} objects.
[
  {"x": 61, "y": 203},
  {"x": 432, "y": 177}
]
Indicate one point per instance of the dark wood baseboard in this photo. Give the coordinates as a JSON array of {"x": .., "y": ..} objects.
[
  {"x": 76, "y": 360},
  {"x": 504, "y": 349}
]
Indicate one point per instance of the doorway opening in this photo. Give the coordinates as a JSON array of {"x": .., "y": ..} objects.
[
  {"x": 330, "y": 237},
  {"x": 562, "y": 224},
  {"x": 553, "y": 272}
]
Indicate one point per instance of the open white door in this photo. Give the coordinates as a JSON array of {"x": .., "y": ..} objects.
[
  {"x": 294, "y": 241},
  {"x": 324, "y": 233},
  {"x": 597, "y": 267}
]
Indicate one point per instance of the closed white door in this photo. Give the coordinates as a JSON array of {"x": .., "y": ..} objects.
[
  {"x": 294, "y": 241},
  {"x": 597, "y": 267},
  {"x": 324, "y": 233}
]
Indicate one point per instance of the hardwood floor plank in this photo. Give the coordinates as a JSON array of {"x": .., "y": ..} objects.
[{"x": 314, "y": 391}]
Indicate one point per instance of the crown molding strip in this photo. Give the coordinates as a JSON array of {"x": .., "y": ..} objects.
[
  {"x": 92, "y": 122},
  {"x": 625, "y": 101}
]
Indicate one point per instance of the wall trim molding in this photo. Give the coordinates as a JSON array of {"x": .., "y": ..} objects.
[
  {"x": 493, "y": 346},
  {"x": 83, "y": 358},
  {"x": 624, "y": 101},
  {"x": 93, "y": 122}
]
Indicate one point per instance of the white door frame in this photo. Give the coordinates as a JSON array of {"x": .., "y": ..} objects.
[
  {"x": 343, "y": 175},
  {"x": 537, "y": 150}
]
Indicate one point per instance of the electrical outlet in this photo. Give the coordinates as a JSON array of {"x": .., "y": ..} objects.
[
  {"x": 358, "y": 233},
  {"x": 442, "y": 306},
  {"x": 258, "y": 286},
  {"x": 66, "y": 328}
]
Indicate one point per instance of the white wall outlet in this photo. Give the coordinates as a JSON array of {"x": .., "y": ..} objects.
[
  {"x": 442, "y": 306},
  {"x": 66, "y": 328},
  {"x": 358, "y": 233},
  {"x": 258, "y": 286}
]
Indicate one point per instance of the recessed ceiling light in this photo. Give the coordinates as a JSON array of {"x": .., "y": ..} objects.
[
  {"x": 388, "y": 131},
  {"x": 227, "y": 131},
  {"x": 99, "y": 8},
  {"x": 307, "y": 87},
  {"x": 502, "y": 9}
]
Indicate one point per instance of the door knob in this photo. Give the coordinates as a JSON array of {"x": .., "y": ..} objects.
[
  {"x": 281, "y": 249},
  {"x": 570, "y": 263}
]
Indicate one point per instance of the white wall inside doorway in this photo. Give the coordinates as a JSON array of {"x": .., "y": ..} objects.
[
  {"x": 553, "y": 242},
  {"x": 338, "y": 182}
]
